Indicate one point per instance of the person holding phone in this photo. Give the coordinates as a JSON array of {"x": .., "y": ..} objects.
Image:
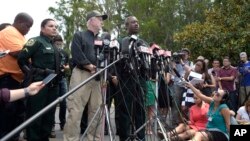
[
  {"x": 7, "y": 95},
  {"x": 218, "y": 126},
  {"x": 38, "y": 59}
]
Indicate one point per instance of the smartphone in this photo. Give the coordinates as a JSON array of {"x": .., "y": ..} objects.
[{"x": 49, "y": 78}]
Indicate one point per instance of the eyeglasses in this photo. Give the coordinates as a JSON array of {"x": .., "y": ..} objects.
[{"x": 217, "y": 93}]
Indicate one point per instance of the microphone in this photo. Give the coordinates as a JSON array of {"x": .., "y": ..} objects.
[
  {"x": 177, "y": 73},
  {"x": 106, "y": 39},
  {"x": 154, "y": 46},
  {"x": 103, "y": 41},
  {"x": 115, "y": 48},
  {"x": 133, "y": 39},
  {"x": 114, "y": 44},
  {"x": 168, "y": 55},
  {"x": 102, "y": 45},
  {"x": 127, "y": 43},
  {"x": 144, "y": 52}
]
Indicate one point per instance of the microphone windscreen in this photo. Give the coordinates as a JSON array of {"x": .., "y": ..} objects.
[
  {"x": 106, "y": 35},
  {"x": 124, "y": 45}
]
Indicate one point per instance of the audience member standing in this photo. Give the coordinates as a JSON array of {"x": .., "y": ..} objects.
[
  {"x": 244, "y": 69},
  {"x": 12, "y": 38},
  {"x": 226, "y": 77}
]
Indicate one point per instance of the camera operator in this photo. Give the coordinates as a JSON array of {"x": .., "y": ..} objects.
[
  {"x": 85, "y": 60},
  {"x": 133, "y": 88},
  {"x": 180, "y": 65},
  {"x": 244, "y": 69},
  {"x": 63, "y": 84}
]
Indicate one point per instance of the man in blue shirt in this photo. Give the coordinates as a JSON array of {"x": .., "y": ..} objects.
[{"x": 244, "y": 69}]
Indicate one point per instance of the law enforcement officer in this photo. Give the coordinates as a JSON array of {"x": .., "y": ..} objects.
[
  {"x": 38, "y": 59},
  {"x": 84, "y": 58},
  {"x": 131, "y": 108}
]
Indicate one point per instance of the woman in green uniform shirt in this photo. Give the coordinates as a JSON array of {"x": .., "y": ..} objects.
[{"x": 38, "y": 59}]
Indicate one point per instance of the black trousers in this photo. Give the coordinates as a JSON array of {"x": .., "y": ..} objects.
[
  {"x": 11, "y": 114},
  {"x": 131, "y": 108},
  {"x": 40, "y": 129},
  {"x": 113, "y": 94}
]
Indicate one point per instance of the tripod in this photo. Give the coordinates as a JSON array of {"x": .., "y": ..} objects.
[
  {"x": 155, "y": 118},
  {"x": 103, "y": 109}
]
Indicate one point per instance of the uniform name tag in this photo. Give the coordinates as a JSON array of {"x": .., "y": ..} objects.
[{"x": 48, "y": 48}]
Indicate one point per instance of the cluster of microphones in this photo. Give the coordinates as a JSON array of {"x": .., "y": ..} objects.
[{"x": 130, "y": 47}]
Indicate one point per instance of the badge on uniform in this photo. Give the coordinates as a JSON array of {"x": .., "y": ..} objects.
[{"x": 30, "y": 42}]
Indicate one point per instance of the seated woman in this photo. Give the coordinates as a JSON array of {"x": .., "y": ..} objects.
[
  {"x": 243, "y": 114},
  {"x": 198, "y": 121},
  {"x": 218, "y": 126}
]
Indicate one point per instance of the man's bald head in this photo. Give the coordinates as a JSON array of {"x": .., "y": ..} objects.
[
  {"x": 23, "y": 22},
  {"x": 132, "y": 25}
]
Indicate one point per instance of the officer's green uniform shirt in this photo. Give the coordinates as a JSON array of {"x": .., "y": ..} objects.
[{"x": 41, "y": 52}]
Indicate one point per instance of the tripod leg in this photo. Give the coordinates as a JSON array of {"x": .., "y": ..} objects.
[
  {"x": 162, "y": 129},
  {"x": 84, "y": 134},
  {"x": 109, "y": 124}
]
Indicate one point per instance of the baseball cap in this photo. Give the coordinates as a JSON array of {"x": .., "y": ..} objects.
[
  {"x": 243, "y": 54},
  {"x": 96, "y": 13},
  {"x": 185, "y": 49}
]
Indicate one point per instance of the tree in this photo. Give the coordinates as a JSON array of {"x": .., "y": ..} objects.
[
  {"x": 71, "y": 15},
  {"x": 159, "y": 20},
  {"x": 224, "y": 33}
]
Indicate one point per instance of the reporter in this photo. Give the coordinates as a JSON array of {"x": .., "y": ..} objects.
[
  {"x": 7, "y": 95},
  {"x": 218, "y": 126}
]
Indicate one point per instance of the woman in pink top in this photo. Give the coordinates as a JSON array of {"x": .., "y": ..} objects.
[{"x": 198, "y": 121}]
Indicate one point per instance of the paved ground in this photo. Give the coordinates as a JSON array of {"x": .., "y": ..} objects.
[{"x": 59, "y": 133}]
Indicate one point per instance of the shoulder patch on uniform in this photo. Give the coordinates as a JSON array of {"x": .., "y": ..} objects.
[{"x": 30, "y": 42}]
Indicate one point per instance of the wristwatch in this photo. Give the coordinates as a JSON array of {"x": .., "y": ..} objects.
[{"x": 26, "y": 92}]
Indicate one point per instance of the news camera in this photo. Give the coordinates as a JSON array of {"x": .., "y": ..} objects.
[
  {"x": 160, "y": 58},
  {"x": 177, "y": 56}
]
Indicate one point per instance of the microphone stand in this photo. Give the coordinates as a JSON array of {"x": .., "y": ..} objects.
[
  {"x": 53, "y": 104},
  {"x": 161, "y": 71},
  {"x": 133, "y": 136},
  {"x": 103, "y": 109}
]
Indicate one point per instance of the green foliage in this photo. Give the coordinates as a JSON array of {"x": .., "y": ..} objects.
[
  {"x": 224, "y": 33},
  {"x": 71, "y": 15},
  {"x": 159, "y": 20}
]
